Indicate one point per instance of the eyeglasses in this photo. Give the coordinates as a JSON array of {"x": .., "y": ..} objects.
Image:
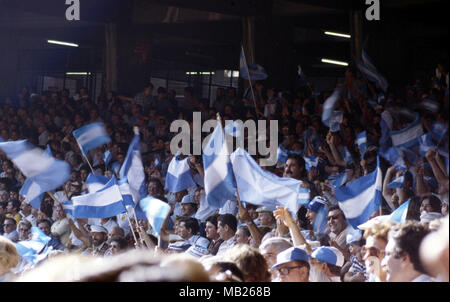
[{"x": 286, "y": 270}]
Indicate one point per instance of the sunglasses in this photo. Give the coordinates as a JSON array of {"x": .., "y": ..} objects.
[{"x": 286, "y": 270}]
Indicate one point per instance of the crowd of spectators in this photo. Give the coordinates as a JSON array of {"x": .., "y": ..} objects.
[{"x": 239, "y": 242}]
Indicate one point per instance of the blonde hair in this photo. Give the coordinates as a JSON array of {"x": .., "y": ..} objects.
[
  {"x": 9, "y": 258},
  {"x": 250, "y": 261},
  {"x": 379, "y": 230}
]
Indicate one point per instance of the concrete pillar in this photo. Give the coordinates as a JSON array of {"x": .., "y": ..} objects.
[{"x": 111, "y": 56}]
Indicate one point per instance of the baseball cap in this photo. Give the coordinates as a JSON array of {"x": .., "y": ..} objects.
[
  {"x": 316, "y": 204},
  {"x": 98, "y": 229},
  {"x": 187, "y": 199},
  {"x": 328, "y": 254},
  {"x": 291, "y": 254}
]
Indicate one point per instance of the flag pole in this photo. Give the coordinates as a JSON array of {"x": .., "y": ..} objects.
[
  {"x": 249, "y": 80},
  {"x": 131, "y": 227}
]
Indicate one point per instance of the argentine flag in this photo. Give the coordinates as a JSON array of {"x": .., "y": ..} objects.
[
  {"x": 220, "y": 184},
  {"x": 361, "y": 197},
  {"x": 133, "y": 170},
  {"x": 371, "y": 73},
  {"x": 260, "y": 187},
  {"x": 311, "y": 162},
  {"x": 107, "y": 156},
  {"x": 106, "y": 202},
  {"x": 253, "y": 72},
  {"x": 34, "y": 250},
  {"x": 361, "y": 141},
  {"x": 68, "y": 207},
  {"x": 328, "y": 113},
  {"x": 426, "y": 144},
  {"x": 179, "y": 176},
  {"x": 282, "y": 154},
  {"x": 397, "y": 183},
  {"x": 399, "y": 215},
  {"x": 91, "y": 136},
  {"x": 408, "y": 136},
  {"x": 156, "y": 212},
  {"x": 44, "y": 173}
]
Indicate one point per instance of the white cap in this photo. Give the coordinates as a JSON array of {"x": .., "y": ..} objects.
[{"x": 98, "y": 229}]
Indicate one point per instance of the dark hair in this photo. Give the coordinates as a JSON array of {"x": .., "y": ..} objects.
[
  {"x": 228, "y": 219},
  {"x": 10, "y": 218},
  {"x": 123, "y": 243},
  {"x": 15, "y": 204},
  {"x": 148, "y": 85},
  {"x": 190, "y": 223},
  {"x": 298, "y": 158},
  {"x": 224, "y": 266},
  {"x": 45, "y": 221},
  {"x": 245, "y": 229},
  {"x": 434, "y": 202},
  {"x": 334, "y": 208},
  {"x": 408, "y": 237},
  {"x": 212, "y": 219}
]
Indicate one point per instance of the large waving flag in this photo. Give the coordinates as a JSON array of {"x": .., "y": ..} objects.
[
  {"x": 156, "y": 212},
  {"x": 179, "y": 176},
  {"x": 104, "y": 203},
  {"x": 361, "y": 197},
  {"x": 251, "y": 71},
  {"x": 371, "y": 73},
  {"x": 328, "y": 112},
  {"x": 44, "y": 173},
  {"x": 91, "y": 136},
  {"x": 34, "y": 250},
  {"x": 133, "y": 170},
  {"x": 220, "y": 184},
  {"x": 260, "y": 187}
]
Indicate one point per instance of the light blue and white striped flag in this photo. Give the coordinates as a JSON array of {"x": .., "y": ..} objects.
[
  {"x": 348, "y": 156},
  {"x": 220, "y": 184},
  {"x": 426, "y": 144},
  {"x": 311, "y": 162},
  {"x": 179, "y": 176},
  {"x": 260, "y": 187},
  {"x": 91, "y": 136},
  {"x": 107, "y": 156},
  {"x": 156, "y": 212},
  {"x": 399, "y": 215},
  {"x": 95, "y": 182},
  {"x": 127, "y": 197},
  {"x": 252, "y": 72},
  {"x": 360, "y": 198},
  {"x": 234, "y": 128},
  {"x": 33, "y": 250},
  {"x": 44, "y": 173},
  {"x": 282, "y": 154},
  {"x": 430, "y": 105},
  {"x": 105, "y": 203},
  {"x": 408, "y": 136},
  {"x": 340, "y": 180},
  {"x": 68, "y": 207},
  {"x": 156, "y": 162},
  {"x": 371, "y": 73},
  {"x": 361, "y": 141},
  {"x": 328, "y": 108},
  {"x": 133, "y": 170},
  {"x": 397, "y": 183}
]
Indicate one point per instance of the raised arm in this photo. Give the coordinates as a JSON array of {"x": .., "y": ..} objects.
[{"x": 387, "y": 193}]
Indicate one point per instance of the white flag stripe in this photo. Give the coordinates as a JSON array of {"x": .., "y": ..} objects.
[
  {"x": 32, "y": 162},
  {"x": 104, "y": 198},
  {"x": 406, "y": 136}
]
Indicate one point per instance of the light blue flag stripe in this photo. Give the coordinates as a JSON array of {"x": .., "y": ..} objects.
[
  {"x": 133, "y": 170},
  {"x": 68, "y": 206},
  {"x": 107, "y": 156},
  {"x": 29, "y": 249},
  {"x": 260, "y": 187},
  {"x": 124, "y": 189},
  {"x": 104, "y": 203},
  {"x": 220, "y": 183},
  {"x": 91, "y": 136},
  {"x": 399, "y": 215},
  {"x": 282, "y": 154},
  {"x": 360, "y": 198},
  {"x": 426, "y": 144},
  {"x": 96, "y": 182},
  {"x": 340, "y": 180},
  {"x": 156, "y": 212},
  {"x": 179, "y": 176}
]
